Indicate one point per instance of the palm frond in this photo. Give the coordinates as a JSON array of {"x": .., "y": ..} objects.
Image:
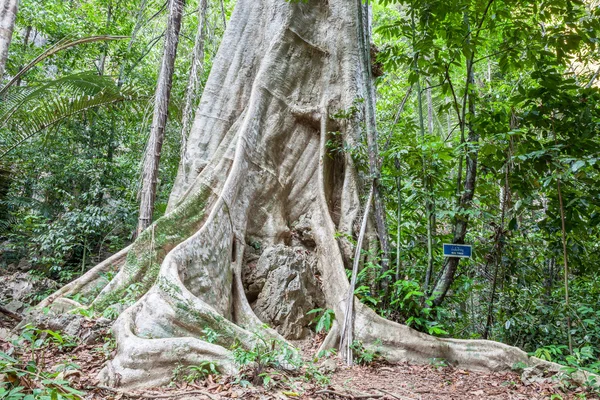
[
  {"x": 28, "y": 111},
  {"x": 62, "y": 45}
]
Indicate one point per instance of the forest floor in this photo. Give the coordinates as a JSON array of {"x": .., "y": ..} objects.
[{"x": 377, "y": 380}]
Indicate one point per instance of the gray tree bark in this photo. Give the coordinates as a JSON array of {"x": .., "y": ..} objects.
[
  {"x": 196, "y": 69},
  {"x": 159, "y": 120},
  {"x": 8, "y": 14}
]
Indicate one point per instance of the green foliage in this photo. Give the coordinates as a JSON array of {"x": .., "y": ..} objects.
[
  {"x": 549, "y": 352},
  {"x": 111, "y": 312},
  {"x": 265, "y": 354},
  {"x": 417, "y": 310},
  {"x": 210, "y": 335},
  {"x": 201, "y": 371},
  {"x": 584, "y": 358},
  {"x": 326, "y": 353},
  {"x": 27, "y": 111},
  {"x": 193, "y": 373},
  {"x": 75, "y": 126},
  {"x": 312, "y": 373},
  {"x": 48, "y": 385},
  {"x": 261, "y": 364},
  {"x": 438, "y": 363},
  {"x": 541, "y": 329},
  {"x": 323, "y": 320},
  {"x": 37, "y": 338},
  {"x": 536, "y": 120},
  {"x": 362, "y": 355}
]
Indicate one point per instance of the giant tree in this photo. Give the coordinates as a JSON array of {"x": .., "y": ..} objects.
[{"x": 256, "y": 165}]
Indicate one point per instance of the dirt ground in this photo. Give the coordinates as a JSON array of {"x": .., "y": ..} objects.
[
  {"x": 427, "y": 382},
  {"x": 380, "y": 381},
  {"x": 375, "y": 381}
]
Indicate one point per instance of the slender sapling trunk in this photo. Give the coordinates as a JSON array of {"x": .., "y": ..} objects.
[{"x": 159, "y": 120}]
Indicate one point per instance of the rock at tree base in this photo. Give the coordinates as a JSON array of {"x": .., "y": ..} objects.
[
  {"x": 17, "y": 290},
  {"x": 283, "y": 288}
]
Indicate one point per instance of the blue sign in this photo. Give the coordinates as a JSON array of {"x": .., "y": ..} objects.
[{"x": 458, "y": 250}]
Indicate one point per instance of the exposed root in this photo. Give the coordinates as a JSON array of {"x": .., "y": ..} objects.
[
  {"x": 331, "y": 340},
  {"x": 89, "y": 278},
  {"x": 168, "y": 325},
  {"x": 152, "y": 246}
]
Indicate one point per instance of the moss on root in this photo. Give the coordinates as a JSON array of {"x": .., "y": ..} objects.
[{"x": 151, "y": 247}]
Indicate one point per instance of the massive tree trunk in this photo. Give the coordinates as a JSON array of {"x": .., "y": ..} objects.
[
  {"x": 257, "y": 167},
  {"x": 8, "y": 14}
]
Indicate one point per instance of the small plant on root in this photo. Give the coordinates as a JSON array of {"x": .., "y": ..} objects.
[
  {"x": 266, "y": 355},
  {"x": 194, "y": 373},
  {"x": 363, "y": 355}
]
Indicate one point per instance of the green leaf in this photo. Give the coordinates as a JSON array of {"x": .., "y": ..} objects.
[{"x": 577, "y": 165}]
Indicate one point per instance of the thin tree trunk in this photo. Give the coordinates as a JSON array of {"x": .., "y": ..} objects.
[
  {"x": 399, "y": 187},
  {"x": 426, "y": 189},
  {"x": 398, "y": 222},
  {"x": 196, "y": 69},
  {"x": 111, "y": 133},
  {"x": 25, "y": 45},
  {"x": 426, "y": 186},
  {"x": 102, "y": 60},
  {"x": 500, "y": 237},
  {"x": 223, "y": 14},
  {"x": 371, "y": 127},
  {"x": 346, "y": 336},
  {"x": 564, "y": 245},
  {"x": 159, "y": 120},
  {"x": 386, "y": 145},
  {"x": 505, "y": 200},
  {"x": 565, "y": 263},
  {"x": 549, "y": 281},
  {"x": 431, "y": 198},
  {"x": 429, "y": 109},
  {"x": 465, "y": 196},
  {"x": 136, "y": 28},
  {"x": 463, "y": 118},
  {"x": 448, "y": 123},
  {"x": 464, "y": 203},
  {"x": 101, "y": 69},
  {"x": 8, "y": 14}
]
